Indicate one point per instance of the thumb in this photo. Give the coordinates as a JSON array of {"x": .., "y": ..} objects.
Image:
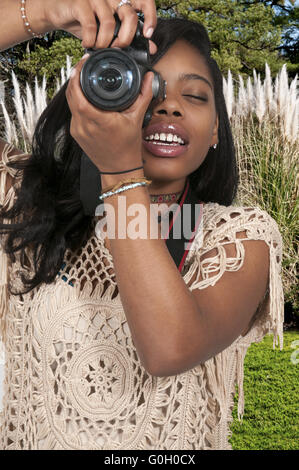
[{"x": 146, "y": 92}]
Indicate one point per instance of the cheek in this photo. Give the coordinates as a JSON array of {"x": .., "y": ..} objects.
[
  {"x": 200, "y": 147},
  {"x": 203, "y": 132},
  {"x": 199, "y": 156},
  {"x": 203, "y": 136},
  {"x": 205, "y": 124}
]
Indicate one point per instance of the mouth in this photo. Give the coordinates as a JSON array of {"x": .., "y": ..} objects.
[{"x": 165, "y": 149}]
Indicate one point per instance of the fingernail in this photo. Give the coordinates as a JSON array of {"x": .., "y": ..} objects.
[
  {"x": 85, "y": 56},
  {"x": 149, "y": 32}
]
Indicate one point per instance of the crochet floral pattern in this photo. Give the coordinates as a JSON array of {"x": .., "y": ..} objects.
[{"x": 73, "y": 378}]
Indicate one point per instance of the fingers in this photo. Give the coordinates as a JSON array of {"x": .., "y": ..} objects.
[
  {"x": 105, "y": 14},
  {"x": 147, "y": 89},
  {"x": 150, "y": 17},
  {"x": 86, "y": 17},
  {"x": 145, "y": 96},
  {"x": 129, "y": 19},
  {"x": 152, "y": 47},
  {"x": 86, "y": 14},
  {"x": 128, "y": 27},
  {"x": 74, "y": 95},
  {"x": 127, "y": 14}
]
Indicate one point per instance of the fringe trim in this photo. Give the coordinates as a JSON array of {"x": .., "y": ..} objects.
[
  {"x": 270, "y": 314},
  {"x": 7, "y": 200}
]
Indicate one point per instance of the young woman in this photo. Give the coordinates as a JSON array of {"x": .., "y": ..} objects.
[{"x": 109, "y": 342}]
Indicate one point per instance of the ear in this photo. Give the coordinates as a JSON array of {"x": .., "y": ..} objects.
[{"x": 214, "y": 139}]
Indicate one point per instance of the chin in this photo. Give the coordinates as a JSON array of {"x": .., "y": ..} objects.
[
  {"x": 162, "y": 175},
  {"x": 170, "y": 168}
]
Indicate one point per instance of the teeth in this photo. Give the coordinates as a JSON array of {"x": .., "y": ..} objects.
[{"x": 165, "y": 137}]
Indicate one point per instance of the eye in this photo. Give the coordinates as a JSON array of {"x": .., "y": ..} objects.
[{"x": 201, "y": 98}]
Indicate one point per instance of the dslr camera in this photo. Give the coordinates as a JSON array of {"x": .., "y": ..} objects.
[{"x": 111, "y": 78}]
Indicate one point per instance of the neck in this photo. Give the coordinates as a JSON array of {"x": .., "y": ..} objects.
[{"x": 158, "y": 188}]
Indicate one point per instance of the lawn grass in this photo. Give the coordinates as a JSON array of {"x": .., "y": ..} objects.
[{"x": 271, "y": 415}]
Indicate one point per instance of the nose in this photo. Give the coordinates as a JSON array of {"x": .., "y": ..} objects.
[{"x": 169, "y": 106}]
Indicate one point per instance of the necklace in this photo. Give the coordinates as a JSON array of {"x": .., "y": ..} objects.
[{"x": 172, "y": 197}]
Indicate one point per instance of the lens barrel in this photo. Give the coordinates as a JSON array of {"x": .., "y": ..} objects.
[{"x": 110, "y": 79}]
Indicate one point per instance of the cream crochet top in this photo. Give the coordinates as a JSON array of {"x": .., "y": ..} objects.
[{"x": 73, "y": 379}]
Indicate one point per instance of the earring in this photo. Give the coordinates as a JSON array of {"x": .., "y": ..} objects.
[{"x": 214, "y": 146}]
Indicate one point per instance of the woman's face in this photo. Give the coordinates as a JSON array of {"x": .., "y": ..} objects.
[{"x": 196, "y": 118}]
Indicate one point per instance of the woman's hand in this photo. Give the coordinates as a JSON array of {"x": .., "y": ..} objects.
[
  {"x": 78, "y": 18},
  {"x": 112, "y": 140}
]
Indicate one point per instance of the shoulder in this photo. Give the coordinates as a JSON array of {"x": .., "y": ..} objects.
[
  {"x": 7, "y": 151},
  {"x": 235, "y": 272},
  {"x": 225, "y": 223},
  {"x": 231, "y": 237},
  {"x": 241, "y": 246},
  {"x": 3, "y": 144},
  {"x": 8, "y": 154},
  {"x": 218, "y": 214}
]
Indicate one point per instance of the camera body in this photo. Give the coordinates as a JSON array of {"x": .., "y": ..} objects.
[{"x": 111, "y": 78}]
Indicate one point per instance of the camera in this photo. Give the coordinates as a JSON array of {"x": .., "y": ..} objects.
[{"x": 111, "y": 78}]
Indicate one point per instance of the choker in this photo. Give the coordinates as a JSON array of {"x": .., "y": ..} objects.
[
  {"x": 160, "y": 198},
  {"x": 172, "y": 197}
]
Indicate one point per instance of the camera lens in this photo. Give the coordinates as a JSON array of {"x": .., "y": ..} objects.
[{"x": 110, "y": 79}]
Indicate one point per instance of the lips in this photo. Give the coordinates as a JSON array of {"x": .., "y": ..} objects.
[{"x": 161, "y": 149}]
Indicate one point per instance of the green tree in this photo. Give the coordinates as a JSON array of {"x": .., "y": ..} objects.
[
  {"x": 49, "y": 61},
  {"x": 37, "y": 57},
  {"x": 287, "y": 18},
  {"x": 244, "y": 34}
]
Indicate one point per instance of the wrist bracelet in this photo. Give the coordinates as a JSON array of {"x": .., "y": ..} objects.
[
  {"x": 26, "y": 22},
  {"x": 122, "y": 182},
  {"x": 120, "y": 190}
]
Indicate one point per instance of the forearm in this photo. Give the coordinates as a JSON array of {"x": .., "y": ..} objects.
[
  {"x": 159, "y": 307},
  {"x": 12, "y": 26}
]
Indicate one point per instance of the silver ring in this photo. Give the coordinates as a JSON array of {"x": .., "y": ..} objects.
[{"x": 123, "y": 2}]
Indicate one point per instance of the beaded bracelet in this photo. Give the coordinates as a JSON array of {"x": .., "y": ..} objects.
[
  {"x": 26, "y": 22},
  {"x": 122, "y": 182},
  {"x": 120, "y": 190}
]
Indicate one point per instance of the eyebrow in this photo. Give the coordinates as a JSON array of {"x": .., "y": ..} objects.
[{"x": 193, "y": 76}]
